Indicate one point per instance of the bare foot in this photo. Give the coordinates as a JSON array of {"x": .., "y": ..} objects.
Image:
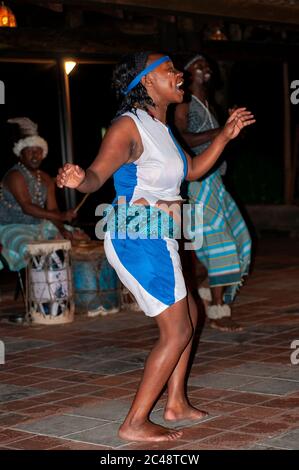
[
  {"x": 226, "y": 324},
  {"x": 148, "y": 432},
  {"x": 183, "y": 412}
]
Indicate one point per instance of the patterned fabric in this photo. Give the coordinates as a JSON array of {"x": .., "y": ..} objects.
[
  {"x": 226, "y": 242},
  {"x": 18, "y": 229},
  {"x": 200, "y": 119},
  {"x": 10, "y": 210},
  {"x": 140, "y": 221},
  {"x": 14, "y": 239}
]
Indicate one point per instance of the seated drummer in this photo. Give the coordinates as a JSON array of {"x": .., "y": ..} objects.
[{"x": 28, "y": 206}]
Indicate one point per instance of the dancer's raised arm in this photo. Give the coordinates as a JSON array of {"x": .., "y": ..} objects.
[{"x": 120, "y": 145}]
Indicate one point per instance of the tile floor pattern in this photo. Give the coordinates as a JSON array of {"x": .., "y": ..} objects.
[{"x": 69, "y": 386}]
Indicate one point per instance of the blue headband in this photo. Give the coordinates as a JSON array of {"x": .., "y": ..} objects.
[{"x": 144, "y": 72}]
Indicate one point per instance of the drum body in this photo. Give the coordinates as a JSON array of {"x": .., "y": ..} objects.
[
  {"x": 49, "y": 282},
  {"x": 96, "y": 285}
]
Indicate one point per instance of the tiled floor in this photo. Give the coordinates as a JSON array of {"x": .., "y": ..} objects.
[{"x": 69, "y": 386}]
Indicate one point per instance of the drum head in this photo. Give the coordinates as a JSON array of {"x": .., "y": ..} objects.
[
  {"x": 87, "y": 249},
  {"x": 45, "y": 247}
]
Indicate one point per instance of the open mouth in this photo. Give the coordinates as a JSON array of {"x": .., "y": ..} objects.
[{"x": 178, "y": 86}]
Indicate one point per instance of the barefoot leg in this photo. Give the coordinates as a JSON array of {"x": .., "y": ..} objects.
[
  {"x": 217, "y": 295},
  {"x": 175, "y": 332},
  {"x": 178, "y": 406}
]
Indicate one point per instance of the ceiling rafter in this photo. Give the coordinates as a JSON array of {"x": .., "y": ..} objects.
[{"x": 281, "y": 11}]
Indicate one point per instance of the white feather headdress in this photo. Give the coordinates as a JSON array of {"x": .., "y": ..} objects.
[{"x": 29, "y": 136}]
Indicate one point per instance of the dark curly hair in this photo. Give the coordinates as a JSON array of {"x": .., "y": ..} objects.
[{"x": 128, "y": 68}]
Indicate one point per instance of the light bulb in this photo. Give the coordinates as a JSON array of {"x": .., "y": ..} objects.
[{"x": 69, "y": 65}]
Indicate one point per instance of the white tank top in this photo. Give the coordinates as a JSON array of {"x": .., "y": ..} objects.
[{"x": 159, "y": 171}]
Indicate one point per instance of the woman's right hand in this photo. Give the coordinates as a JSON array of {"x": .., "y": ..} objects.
[
  {"x": 238, "y": 119},
  {"x": 70, "y": 176}
]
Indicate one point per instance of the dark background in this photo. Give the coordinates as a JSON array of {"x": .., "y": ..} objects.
[{"x": 255, "y": 160}]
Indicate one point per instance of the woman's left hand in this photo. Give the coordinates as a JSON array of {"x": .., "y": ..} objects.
[
  {"x": 238, "y": 119},
  {"x": 67, "y": 234}
]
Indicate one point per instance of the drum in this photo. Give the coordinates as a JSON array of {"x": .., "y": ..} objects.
[
  {"x": 49, "y": 282},
  {"x": 96, "y": 285}
]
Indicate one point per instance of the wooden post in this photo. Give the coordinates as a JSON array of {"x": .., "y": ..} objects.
[
  {"x": 65, "y": 123},
  {"x": 287, "y": 147}
]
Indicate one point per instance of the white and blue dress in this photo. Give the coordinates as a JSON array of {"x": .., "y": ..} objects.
[{"x": 150, "y": 268}]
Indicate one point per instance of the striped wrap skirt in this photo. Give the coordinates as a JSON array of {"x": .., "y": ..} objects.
[{"x": 226, "y": 247}]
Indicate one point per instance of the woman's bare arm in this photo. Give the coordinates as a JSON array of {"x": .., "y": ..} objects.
[
  {"x": 193, "y": 139},
  {"x": 16, "y": 184},
  {"x": 121, "y": 144}
]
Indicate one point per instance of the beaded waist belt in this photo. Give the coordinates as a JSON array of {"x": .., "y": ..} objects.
[{"x": 139, "y": 221}]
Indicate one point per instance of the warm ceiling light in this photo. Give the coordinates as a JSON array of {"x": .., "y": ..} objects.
[
  {"x": 7, "y": 18},
  {"x": 69, "y": 65},
  {"x": 217, "y": 34}
]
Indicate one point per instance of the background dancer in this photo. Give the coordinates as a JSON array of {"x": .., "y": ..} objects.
[{"x": 226, "y": 247}]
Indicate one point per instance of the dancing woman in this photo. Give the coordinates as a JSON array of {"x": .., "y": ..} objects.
[{"x": 148, "y": 168}]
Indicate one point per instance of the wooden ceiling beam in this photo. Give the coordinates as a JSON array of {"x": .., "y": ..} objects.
[
  {"x": 48, "y": 45},
  {"x": 279, "y": 11}
]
